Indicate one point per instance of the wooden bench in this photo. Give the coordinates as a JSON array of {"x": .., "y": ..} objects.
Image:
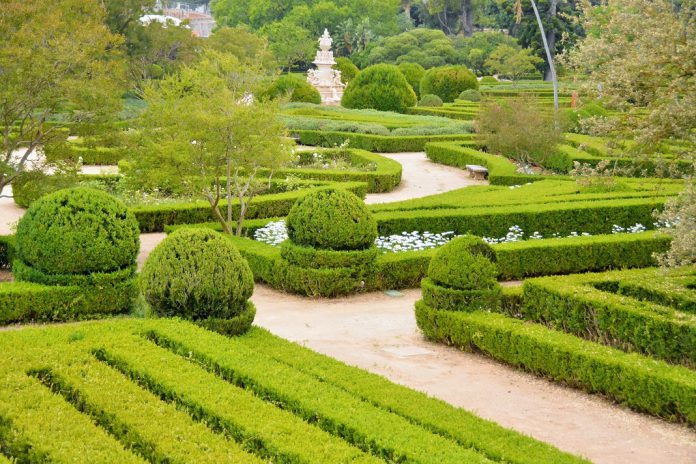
[{"x": 477, "y": 172}]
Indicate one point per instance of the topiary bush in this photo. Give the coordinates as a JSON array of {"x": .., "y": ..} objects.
[
  {"x": 347, "y": 68},
  {"x": 381, "y": 87},
  {"x": 331, "y": 219},
  {"x": 430, "y": 100},
  {"x": 298, "y": 88},
  {"x": 462, "y": 277},
  {"x": 413, "y": 72},
  {"x": 198, "y": 274},
  {"x": 470, "y": 95},
  {"x": 488, "y": 80},
  {"x": 447, "y": 82},
  {"x": 78, "y": 231}
]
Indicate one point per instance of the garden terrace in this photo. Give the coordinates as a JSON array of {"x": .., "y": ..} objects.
[
  {"x": 128, "y": 390},
  {"x": 556, "y": 311}
]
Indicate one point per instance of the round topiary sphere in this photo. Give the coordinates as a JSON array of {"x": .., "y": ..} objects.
[
  {"x": 332, "y": 219},
  {"x": 430, "y": 100},
  {"x": 197, "y": 274},
  {"x": 347, "y": 68},
  {"x": 488, "y": 80},
  {"x": 413, "y": 72},
  {"x": 465, "y": 263},
  {"x": 470, "y": 95},
  {"x": 298, "y": 88},
  {"x": 78, "y": 231},
  {"x": 381, "y": 87},
  {"x": 447, "y": 82}
]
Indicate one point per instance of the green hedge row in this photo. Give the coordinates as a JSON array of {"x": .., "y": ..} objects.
[
  {"x": 375, "y": 143},
  {"x": 385, "y": 177},
  {"x": 514, "y": 260},
  {"x": 154, "y": 218},
  {"x": 563, "y": 218},
  {"x": 348, "y": 399},
  {"x": 445, "y": 111},
  {"x": 501, "y": 171},
  {"x": 572, "y": 304},
  {"x": 639, "y": 382}
]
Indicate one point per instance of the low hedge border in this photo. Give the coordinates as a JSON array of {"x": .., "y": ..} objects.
[
  {"x": 320, "y": 258},
  {"x": 375, "y": 143},
  {"x": 451, "y": 299},
  {"x": 446, "y": 111},
  {"x": 385, "y": 177},
  {"x": 639, "y": 382},
  {"x": 573, "y": 305},
  {"x": 501, "y": 171},
  {"x": 675, "y": 291}
]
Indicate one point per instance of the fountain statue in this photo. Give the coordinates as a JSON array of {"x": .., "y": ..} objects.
[{"x": 326, "y": 79}]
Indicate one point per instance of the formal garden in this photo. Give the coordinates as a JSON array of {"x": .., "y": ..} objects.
[{"x": 450, "y": 232}]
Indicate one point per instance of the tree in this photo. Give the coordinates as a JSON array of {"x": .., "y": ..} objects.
[
  {"x": 290, "y": 43},
  {"x": 248, "y": 47},
  {"x": 512, "y": 62},
  {"x": 56, "y": 58},
  {"x": 203, "y": 138},
  {"x": 427, "y": 47}
]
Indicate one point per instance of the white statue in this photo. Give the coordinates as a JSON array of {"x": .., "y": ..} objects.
[{"x": 326, "y": 79}]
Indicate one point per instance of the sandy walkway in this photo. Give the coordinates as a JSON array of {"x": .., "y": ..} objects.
[
  {"x": 421, "y": 177},
  {"x": 378, "y": 333}
]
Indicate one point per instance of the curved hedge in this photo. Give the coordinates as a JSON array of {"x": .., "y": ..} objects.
[
  {"x": 197, "y": 274},
  {"x": 332, "y": 219},
  {"x": 381, "y": 87},
  {"x": 78, "y": 231},
  {"x": 447, "y": 82}
]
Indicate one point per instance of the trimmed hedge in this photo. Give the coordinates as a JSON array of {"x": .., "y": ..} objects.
[
  {"x": 296, "y": 87},
  {"x": 376, "y": 143},
  {"x": 501, "y": 171},
  {"x": 307, "y": 256},
  {"x": 573, "y": 305},
  {"x": 447, "y": 82},
  {"x": 7, "y": 251},
  {"x": 381, "y": 87},
  {"x": 642, "y": 383}
]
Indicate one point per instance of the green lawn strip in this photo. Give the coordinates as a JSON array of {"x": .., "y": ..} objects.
[
  {"x": 158, "y": 432},
  {"x": 572, "y": 304},
  {"x": 639, "y": 382},
  {"x": 386, "y": 434},
  {"x": 260, "y": 426},
  {"x": 39, "y": 426},
  {"x": 490, "y": 439}
]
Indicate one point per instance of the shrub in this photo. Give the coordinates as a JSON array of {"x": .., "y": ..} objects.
[
  {"x": 519, "y": 129},
  {"x": 198, "y": 274},
  {"x": 430, "y": 100},
  {"x": 447, "y": 82},
  {"x": 299, "y": 89},
  {"x": 381, "y": 87},
  {"x": 470, "y": 95},
  {"x": 465, "y": 263},
  {"x": 488, "y": 80},
  {"x": 347, "y": 68},
  {"x": 332, "y": 219},
  {"x": 413, "y": 72},
  {"x": 77, "y": 231}
]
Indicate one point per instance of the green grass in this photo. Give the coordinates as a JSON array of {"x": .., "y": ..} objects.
[{"x": 168, "y": 391}]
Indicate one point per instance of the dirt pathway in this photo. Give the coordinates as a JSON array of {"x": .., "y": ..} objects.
[
  {"x": 421, "y": 177},
  {"x": 378, "y": 333}
]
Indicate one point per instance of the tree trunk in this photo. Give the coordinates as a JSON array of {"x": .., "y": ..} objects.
[
  {"x": 551, "y": 38},
  {"x": 406, "y": 5},
  {"x": 467, "y": 18},
  {"x": 549, "y": 57}
]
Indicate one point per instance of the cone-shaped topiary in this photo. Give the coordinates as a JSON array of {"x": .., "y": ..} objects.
[
  {"x": 381, "y": 87},
  {"x": 77, "y": 231},
  {"x": 198, "y": 274},
  {"x": 332, "y": 219},
  {"x": 462, "y": 277}
]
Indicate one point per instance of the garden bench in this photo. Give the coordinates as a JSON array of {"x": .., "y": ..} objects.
[{"x": 477, "y": 172}]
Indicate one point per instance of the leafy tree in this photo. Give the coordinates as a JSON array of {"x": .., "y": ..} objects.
[
  {"x": 248, "y": 47},
  {"x": 427, "y": 47},
  {"x": 121, "y": 15},
  {"x": 512, "y": 62},
  {"x": 289, "y": 43},
  {"x": 56, "y": 58},
  {"x": 202, "y": 136},
  {"x": 474, "y": 51}
]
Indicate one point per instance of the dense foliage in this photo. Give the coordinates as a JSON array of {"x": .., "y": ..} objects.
[
  {"x": 381, "y": 87},
  {"x": 332, "y": 219},
  {"x": 430, "y": 100},
  {"x": 465, "y": 263},
  {"x": 197, "y": 274},
  {"x": 447, "y": 82},
  {"x": 296, "y": 88},
  {"x": 413, "y": 72},
  {"x": 347, "y": 68},
  {"x": 78, "y": 231}
]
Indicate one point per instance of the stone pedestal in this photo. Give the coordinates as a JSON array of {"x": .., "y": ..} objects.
[{"x": 326, "y": 79}]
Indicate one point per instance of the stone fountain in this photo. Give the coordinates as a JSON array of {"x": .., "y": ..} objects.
[{"x": 326, "y": 79}]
